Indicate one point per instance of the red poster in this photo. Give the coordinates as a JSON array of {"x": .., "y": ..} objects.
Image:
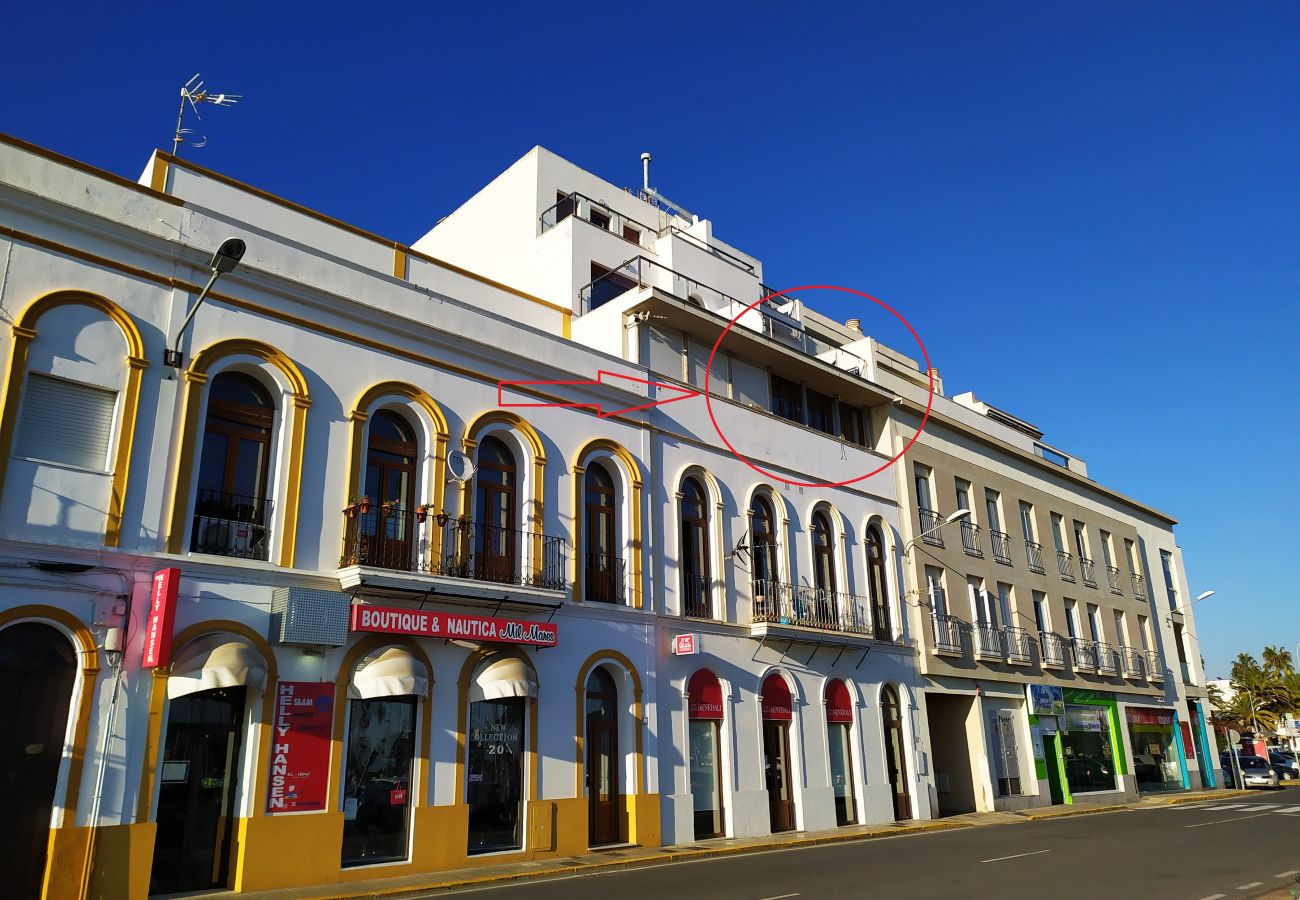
[
  {"x": 162, "y": 616},
  {"x": 1188, "y": 752},
  {"x": 397, "y": 797},
  {"x": 300, "y": 746},
  {"x": 427, "y": 623}
]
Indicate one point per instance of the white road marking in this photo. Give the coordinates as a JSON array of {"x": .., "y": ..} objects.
[
  {"x": 780, "y": 897},
  {"x": 1263, "y": 806},
  {"x": 1214, "y": 897},
  {"x": 1287, "y": 874},
  {"x": 1015, "y": 856},
  {"x": 1222, "y": 821},
  {"x": 1224, "y": 806},
  {"x": 1246, "y": 887},
  {"x": 1287, "y": 810}
]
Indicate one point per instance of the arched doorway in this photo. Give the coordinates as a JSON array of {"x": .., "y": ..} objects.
[
  {"x": 777, "y": 715},
  {"x": 496, "y": 785},
  {"x": 390, "y": 484},
  {"x": 602, "y": 759},
  {"x": 38, "y": 668},
  {"x": 895, "y": 757},
  {"x": 839, "y": 731},
  {"x": 704, "y": 713}
]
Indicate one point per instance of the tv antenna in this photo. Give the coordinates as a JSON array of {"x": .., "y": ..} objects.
[
  {"x": 193, "y": 92},
  {"x": 741, "y": 551}
]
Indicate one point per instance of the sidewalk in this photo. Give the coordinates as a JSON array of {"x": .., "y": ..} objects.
[{"x": 630, "y": 857}]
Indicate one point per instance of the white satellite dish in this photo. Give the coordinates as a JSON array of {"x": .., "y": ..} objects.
[{"x": 459, "y": 467}]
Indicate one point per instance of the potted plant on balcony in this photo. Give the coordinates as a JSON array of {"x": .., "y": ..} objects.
[
  {"x": 388, "y": 507},
  {"x": 422, "y": 512},
  {"x": 363, "y": 504},
  {"x": 352, "y": 508}
]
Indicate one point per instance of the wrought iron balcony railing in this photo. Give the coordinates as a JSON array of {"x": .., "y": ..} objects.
[
  {"x": 1001, "y": 543},
  {"x": 1087, "y": 571},
  {"x": 970, "y": 538},
  {"x": 231, "y": 525},
  {"x": 1107, "y": 663},
  {"x": 1019, "y": 644},
  {"x": 1135, "y": 662},
  {"x": 988, "y": 639},
  {"x": 930, "y": 522},
  {"x": 1065, "y": 565},
  {"x": 1034, "y": 557},
  {"x": 1085, "y": 654},
  {"x": 776, "y": 602},
  {"x": 580, "y": 206},
  {"x": 1155, "y": 666},
  {"x": 1112, "y": 580},
  {"x": 1053, "y": 648},
  {"x": 602, "y": 578},
  {"x": 697, "y": 595},
  {"x": 390, "y": 537},
  {"x": 1139, "y": 586},
  {"x": 947, "y": 633}
]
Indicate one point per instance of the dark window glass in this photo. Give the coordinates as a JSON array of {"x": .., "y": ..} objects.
[
  {"x": 565, "y": 205},
  {"x": 495, "y": 544},
  {"x": 787, "y": 399},
  {"x": 823, "y": 553},
  {"x": 695, "y": 549},
  {"x": 494, "y": 774},
  {"x": 230, "y": 506},
  {"x": 762, "y": 529},
  {"x": 877, "y": 584},
  {"x": 821, "y": 412},
  {"x": 377, "y": 787},
  {"x": 851, "y": 425},
  {"x": 606, "y": 284},
  {"x": 599, "y": 219},
  {"x": 603, "y": 567}
]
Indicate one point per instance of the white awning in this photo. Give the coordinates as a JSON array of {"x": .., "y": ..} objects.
[
  {"x": 509, "y": 676},
  {"x": 216, "y": 661},
  {"x": 389, "y": 672}
]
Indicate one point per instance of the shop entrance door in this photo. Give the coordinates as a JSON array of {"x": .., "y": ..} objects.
[
  {"x": 196, "y": 800},
  {"x": 602, "y": 759},
  {"x": 895, "y": 759},
  {"x": 1053, "y": 764},
  {"x": 776, "y": 765},
  {"x": 37, "y": 670}
]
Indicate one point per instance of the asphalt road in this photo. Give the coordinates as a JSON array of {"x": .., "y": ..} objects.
[{"x": 1236, "y": 848}]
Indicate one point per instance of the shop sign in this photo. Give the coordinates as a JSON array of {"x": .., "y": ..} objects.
[
  {"x": 1142, "y": 715},
  {"x": 1188, "y": 751},
  {"x": 300, "y": 746},
  {"x": 704, "y": 699},
  {"x": 776, "y": 700},
  {"x": 397, "y": 797},
  {"x": 685, "y": 644},
  {"x": 427, "y": 623},
  {"x": 1084, "y": 718},
  {"x": 162, "y": 615},
  {"x": 839, "y": 704},
  {"x": 1045, "y": 700}
]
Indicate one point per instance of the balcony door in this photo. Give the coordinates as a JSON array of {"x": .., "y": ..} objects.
[
  {"x": 496, "y": 546},
  {"x": 694, "y": 511},
  {"x": 878, "y": 585},
  {"x": 603, "y": 799},
  {"x": 895, "y": 756},
  {"x": 231, "y": 506},
  {"x": 390, "y": 484},
  {"x": 603, "y": 565},
  {"x": 762, "y": 532},
  {"x": 777, "y": 708},
  {"x": 823, "y": 571}
]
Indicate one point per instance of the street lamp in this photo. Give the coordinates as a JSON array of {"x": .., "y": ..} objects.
[
  {"x": 959, "y": 514},
  {"x": 224, "y": 260}
]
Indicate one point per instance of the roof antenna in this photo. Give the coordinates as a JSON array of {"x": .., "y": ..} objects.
[{"x": 193, "y": 93}]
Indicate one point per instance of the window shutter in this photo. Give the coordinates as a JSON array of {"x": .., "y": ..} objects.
[
  {"x": 666, "y": 353},
  {"x": 698, "y": 361},
  {"x": 66, "y": 422},
  {"x": 749, "y": 384}
]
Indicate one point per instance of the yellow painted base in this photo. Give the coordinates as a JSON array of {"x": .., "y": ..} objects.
[
  {"x": 123, "y": 862},
  {"x": 65, "y": 860},
  {"x": 643, "y": 820}
]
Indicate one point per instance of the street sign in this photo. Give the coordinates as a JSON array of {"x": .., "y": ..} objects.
[{"x": 685, "y": 644}]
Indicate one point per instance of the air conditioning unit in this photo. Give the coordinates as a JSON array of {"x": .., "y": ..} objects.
[{"x": 310, "y": 617}]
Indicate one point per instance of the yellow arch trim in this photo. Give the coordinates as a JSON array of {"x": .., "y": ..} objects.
[
  {"x": 158, "y": 702},
  {"x": 24, "y": 332},
  {"x": 442, "y": 434},
  {"x": 472, "y": 662},
  {"x": 341, "y": 680},
  {"x": 617, "y": 450},
  {"x": 580, "y": 731},
  {"x": 196, "y": 376},
  {"x": 520, "y": 426}
]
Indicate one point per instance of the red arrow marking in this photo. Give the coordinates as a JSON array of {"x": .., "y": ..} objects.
[{"x": 603, "y": 377}]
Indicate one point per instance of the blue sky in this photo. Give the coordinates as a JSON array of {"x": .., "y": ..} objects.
[{"x": 1090, "y": 211}]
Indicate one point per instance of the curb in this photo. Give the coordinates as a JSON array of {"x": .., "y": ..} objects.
[
  {"x": 1082, "y": 811},
  {"x": 1202, "y": 798}
]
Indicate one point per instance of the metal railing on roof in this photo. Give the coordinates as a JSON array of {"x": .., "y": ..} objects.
[
  {"x": 718, "y": 252},
  {"x": 580, "y": 206}
]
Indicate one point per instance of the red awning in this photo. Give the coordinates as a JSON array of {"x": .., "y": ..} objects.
[
  {"x": 704, "y": 696},
  {"x": 839, "y": 702},
  {"x": 777, "y": 706}
]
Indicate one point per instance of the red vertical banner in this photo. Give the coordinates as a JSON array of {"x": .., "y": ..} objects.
[
  {"x": 1189, "y": 751},
  {"x": 162, "y": 616},
  {"x": 300, "y": 746}
]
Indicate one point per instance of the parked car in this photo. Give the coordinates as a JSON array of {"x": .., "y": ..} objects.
[
  {"x": 1255, "y": 771},
  {"x": 1284, "y": 764}
]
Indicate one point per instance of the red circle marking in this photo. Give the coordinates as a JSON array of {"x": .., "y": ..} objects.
[{"x": 708, "y": 398}]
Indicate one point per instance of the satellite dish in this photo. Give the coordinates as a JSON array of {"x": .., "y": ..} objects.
[{"x": 459, "y": 467}]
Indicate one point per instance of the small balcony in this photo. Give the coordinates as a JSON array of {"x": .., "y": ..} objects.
[
  {"x": 778, "y": 603},
  {"x": 1019, "y": 644},
  {"x": 1088, "y": 571},
  {"x": 1155, "y": 666},
  {"x": 1135, "y": 663},
  {"x": 988, "y": 640},
  {"x": 1139, "y": 586},
  {"x": 582, "y": 207},
  {"x": 1000, "y": 542},
  {"x": 947, "y": 633},
  {"x": 697, "y": 595},
  {"x": 1065, "y": 565},
  {"x": 970, "y": 538},
  {"x": 1085, "y": 654},
  {"x": 602, "y": 578},
  {"x": 1107, "y": 662},
  {"x": 412, "y": 541},
  {"x": 231, "y": 525},
  {"x": 1054, "y": 648},
  {"x": 1034, "y": 557},
  {"x": 930, "y": 522},
  {"x": 1112, "y": 581}
]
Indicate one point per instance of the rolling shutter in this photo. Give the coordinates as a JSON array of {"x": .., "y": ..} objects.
[
  {"x": 66, "y": 422},
  {"x": 665, "y": 353},
  {"x": 749, "y": 384}
]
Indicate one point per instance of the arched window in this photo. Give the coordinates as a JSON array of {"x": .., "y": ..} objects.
[
  {"x": 602, "y": 758},
  {"x": 387, "y": 527},
  {"x": 765, "y": 573},
  {"x": 695, "y": 550},
  {"x": 823, "y": 571},
  {"x": 496, "y": 544},
  {"x": 877, "y": 585},
  {"x": 231, "y": 509},
  {"x": 495, "y": 786},
  {"x": 603, "y": 568},
  {"x": 895, "y": 757}
]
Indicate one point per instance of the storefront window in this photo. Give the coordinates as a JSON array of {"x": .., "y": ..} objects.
[
  {"x": 494, "y": 786},
  {"x": 1089, "y": 763},
  {"x": 705, "y": 713},
  {"x": 1006, "y": 753},
  {"x": 377, "y": 786},
  {"x": 839, "y": 724},
  {"x": 1155, "y": 756}
]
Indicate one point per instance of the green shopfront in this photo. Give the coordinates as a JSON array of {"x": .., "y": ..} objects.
[{"x": 1078, "y": 745}]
